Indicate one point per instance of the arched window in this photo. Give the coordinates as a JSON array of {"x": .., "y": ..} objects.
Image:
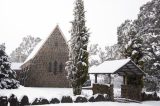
[
  {"x": 55, "y": 67},
  {"x": 56, "y": 43},
  {"x": 61, "y": 67},
  {"x": 50, "y": 67}
]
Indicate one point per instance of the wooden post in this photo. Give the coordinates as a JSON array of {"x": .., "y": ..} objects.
[
  {"x": 109, "y": 75},
  {"x": 125, "y": 80},
  {"x": 95, "y": 78}
]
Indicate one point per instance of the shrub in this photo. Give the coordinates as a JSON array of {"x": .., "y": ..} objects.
[
  {"x": 107, "y": 97},
  {"x": 40, "y": 101},
  {"x": 3, "y": 101},
  {"x": 24, "y": 101},
  {"x": 13, "y": 100},
  {"x": 80, "y": 99},
  {"x": 146, "y": 97},
  {"x": 99, "y": 97},
  {"x": 44, "y": 101},
  {"x": 155, "y": 96},
  {"x": 66, "y": 99},
  {"x": 36, "y": 102},
  {"x": 91, "y": 99},
  {"x": 54, "y": 101}
]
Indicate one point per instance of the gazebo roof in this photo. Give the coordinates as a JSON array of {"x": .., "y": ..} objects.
[{"x": 121, "y": 67}]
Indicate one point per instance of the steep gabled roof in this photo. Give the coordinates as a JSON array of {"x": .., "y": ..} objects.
[
  {"x": 116, "y": 66},
  {"x": 41, "y": 43}
]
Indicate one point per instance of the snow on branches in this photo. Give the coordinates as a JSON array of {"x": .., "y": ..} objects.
[{"x": 7, "y": 75}]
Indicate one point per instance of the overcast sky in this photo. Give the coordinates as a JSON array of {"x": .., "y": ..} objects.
[{"x": 19, "y": 18}]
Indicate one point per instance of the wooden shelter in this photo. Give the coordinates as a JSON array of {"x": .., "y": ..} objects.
[{"x": 132, "y": 76}]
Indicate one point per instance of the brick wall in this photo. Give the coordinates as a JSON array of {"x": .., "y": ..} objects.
[{"x": 42, "y": 71}]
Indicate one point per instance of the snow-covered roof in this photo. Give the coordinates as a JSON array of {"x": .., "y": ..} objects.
[
  {"x": 40, "y": 44},
  {"x": 16, "y": 66},
  {"x": 109, "y": 66}
]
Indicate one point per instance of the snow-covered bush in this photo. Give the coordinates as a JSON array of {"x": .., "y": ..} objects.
[
  {"x": 13, "y": 100},
  {"x": 44, "y": 101},
  {"x": 7, "y": 75},
  {"x": 66, "y": 99},
  {"x": 91, "y": 99},
  {"x": 3, "y": 101},
  {"x": 146, "y": 97},
  {"x": 81, "y": 99},
  {"x": 54, "y": 101},
  {"x": 24, "y": 101},
  {"x": 40, "y": 101},
  {"x": 36, "y": 102},
  {"x": 99, "y": 97}
]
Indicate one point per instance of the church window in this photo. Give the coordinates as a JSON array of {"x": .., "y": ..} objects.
[
  {"x": 61, "y": 67},
  {"x": 50, "y": 67},
  {"x": 55, "y": 67},
  {"x": 56, "y": 43}
]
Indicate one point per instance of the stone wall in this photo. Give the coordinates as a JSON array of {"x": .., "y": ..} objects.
[
  {"x": 103, "y": 89},
  {"x": 131, "y": 92}
]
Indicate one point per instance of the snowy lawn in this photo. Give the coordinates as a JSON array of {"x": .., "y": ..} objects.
[
  {"x": 148, "y": 103},
  {"x": 48, "y": 93}
]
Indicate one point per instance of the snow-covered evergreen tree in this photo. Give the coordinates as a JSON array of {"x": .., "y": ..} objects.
[
  {"x": 77, "y": 66},
  {"x": 149, "y": 24},
  {"x": 130, "y": 42},
  {"x": 145, "y": 36},
  {"x": 25, "y": 48},
  {"x": 7, "y": 75}
]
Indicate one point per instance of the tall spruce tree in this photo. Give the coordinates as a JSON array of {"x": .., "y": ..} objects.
[
  {"x": 77, "y": 66},
  {"x": 7, "y": 75}
]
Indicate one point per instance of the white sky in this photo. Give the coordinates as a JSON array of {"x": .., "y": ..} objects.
[{"x": 38, "y": 18}]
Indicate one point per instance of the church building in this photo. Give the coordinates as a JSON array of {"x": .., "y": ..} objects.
[{"x": 45, "y": 66}]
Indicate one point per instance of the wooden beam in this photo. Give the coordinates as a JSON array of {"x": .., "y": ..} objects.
[{"x": 121, "y": 73}]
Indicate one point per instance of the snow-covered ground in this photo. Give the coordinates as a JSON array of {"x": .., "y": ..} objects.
[
  {"x": 148, "y": 103},
  {"x": 49, "y": 93}
]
